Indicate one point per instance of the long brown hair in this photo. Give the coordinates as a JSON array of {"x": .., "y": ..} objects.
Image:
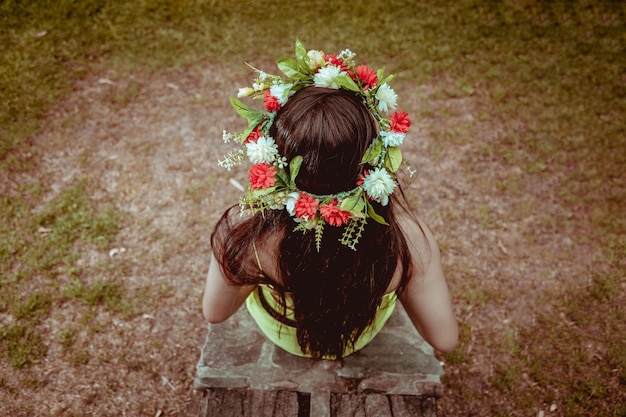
[{"x": 335, "y": 291}]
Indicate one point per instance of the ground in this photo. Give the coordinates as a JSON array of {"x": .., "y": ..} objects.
[{"x": 149, "y": 144}]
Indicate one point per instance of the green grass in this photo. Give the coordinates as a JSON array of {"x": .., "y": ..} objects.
[
  {"x": 39, "y": 250},
  {"x": 109, "y": 293},
  {"x": 42, "y": 242},
  {"x": 36, "y": 306},
  {"x": 572, "y": 355},
  {"x": 22, "y": 345},
  {"x": 578, "y": 347},
  {"x": 67, "y": 337},
  {"x": 549, "y": 74}
]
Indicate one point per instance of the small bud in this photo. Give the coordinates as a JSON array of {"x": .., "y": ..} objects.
[{"x": 245, "y": 92}]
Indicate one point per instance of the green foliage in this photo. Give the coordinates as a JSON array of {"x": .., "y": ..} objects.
[
  {"x": 40, "y": 244},
  {"x": 353, "y": 232},
  {"x": 319, "y": 232},
  {"x": 606, "y": 286},
  {"x": 103, "y": 227},
  {"x": 43, "y": 242},
  {"x": 506, "y": 377},
  {"x": 22, "y": 345},
  {"x": 579, "y": 354},
  {"x": 108, "y": 293},
  {"x": 78, "y": 357},
  {"x": 67, "y": 337},
  {"x": 36, "y": 305}
]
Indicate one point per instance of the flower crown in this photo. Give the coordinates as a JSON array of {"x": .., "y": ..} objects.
[{"x": 273, "y": 178}]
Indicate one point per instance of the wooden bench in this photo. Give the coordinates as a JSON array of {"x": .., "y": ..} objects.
[{"x": 241, "y": 373}]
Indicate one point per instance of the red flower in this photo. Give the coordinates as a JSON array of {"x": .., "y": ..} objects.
[
  {"x": 400, "y": 122},
  {"x": 367, "y": 75},
  {"x": 271, "y": 102},
  {"x": 253, "y": 136},
  {"x": 306, "y": 206},
  {"x": 333, "y": 214},
  {"x": 334, "y": 60},
  {"x": 362, "y": 176},
  {"x": 262, "y": 176}
]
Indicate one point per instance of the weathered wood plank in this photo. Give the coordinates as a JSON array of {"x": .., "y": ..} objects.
[
  {"x": 409, "y": 405},
  {"x": 381, "y": 405},
  {"x": 224, "y": 402},
  {"x": 360, "y": 405},
  {"x": 242, "y": 402}
]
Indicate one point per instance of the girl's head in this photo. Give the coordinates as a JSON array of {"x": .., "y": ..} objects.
[
  {"x": 330, "y": 129},
  {"x": 325, "y": 148}
]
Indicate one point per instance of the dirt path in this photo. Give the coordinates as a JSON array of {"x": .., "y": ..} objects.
[{"x": 150, "y": 142}]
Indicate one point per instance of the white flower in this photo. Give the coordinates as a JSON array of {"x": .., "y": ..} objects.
[
  {"x": 280, "y": 162},
  {"x": 229, "y": 161},
  {"x": 226, "y": 163},
  {"x": 290, "y": 202},
  {"x": 245, "y": 92},
  {"x": 316, "y": 59},
  {"x": 281, "y": 92},
  {"x": 387, "y": 98},
  {"x": 379, "y": 185},
  {"x": 258, "y": 86},
  {"x": 263, "y": 150},
  {"x": 346, "y": 55},
  {"x": 262, "y": 75},
  {"x": 325, "y": 77},
  {"x": 392, "y": 138}
]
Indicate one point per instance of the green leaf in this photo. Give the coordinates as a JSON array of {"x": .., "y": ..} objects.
[
  {"x": 281, "y": 179},
  {"x": 373, "y": 215},
  {"x": 294, "y": 168},
  {"x": 301, "y": 227},
  {"x": 246, "y": 133},
  {"x": 290, "y": 68},
  {"x": 393, "y": 159},
  {"x": 241, "y": 108},
  {"x": 384, "y": 80},
  {"x": 346, "y": 82},
  {"x": 263, "y": 191},
  {"x": 354, "y": 204},
  {"x": 372, "y": 152},
  {"x": 319, "y": 231},
  {"x": 301, "y": 55},
  {"x": 253, "y": 116}
]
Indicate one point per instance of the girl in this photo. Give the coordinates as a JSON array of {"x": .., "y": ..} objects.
[{"x": 325, "y": 244}]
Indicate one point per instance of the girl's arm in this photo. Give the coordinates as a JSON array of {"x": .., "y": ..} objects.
[
  {"x": 221, "y": 300},
  {"x": 426, "y": 298}
]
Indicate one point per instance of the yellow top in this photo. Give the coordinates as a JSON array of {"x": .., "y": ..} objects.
[
  {"x": 284, "y": 335},
  {"x": 262, "y": 302}
]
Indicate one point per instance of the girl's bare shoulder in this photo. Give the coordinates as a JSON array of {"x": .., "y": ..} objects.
[{"x": 420, "y": 238}]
